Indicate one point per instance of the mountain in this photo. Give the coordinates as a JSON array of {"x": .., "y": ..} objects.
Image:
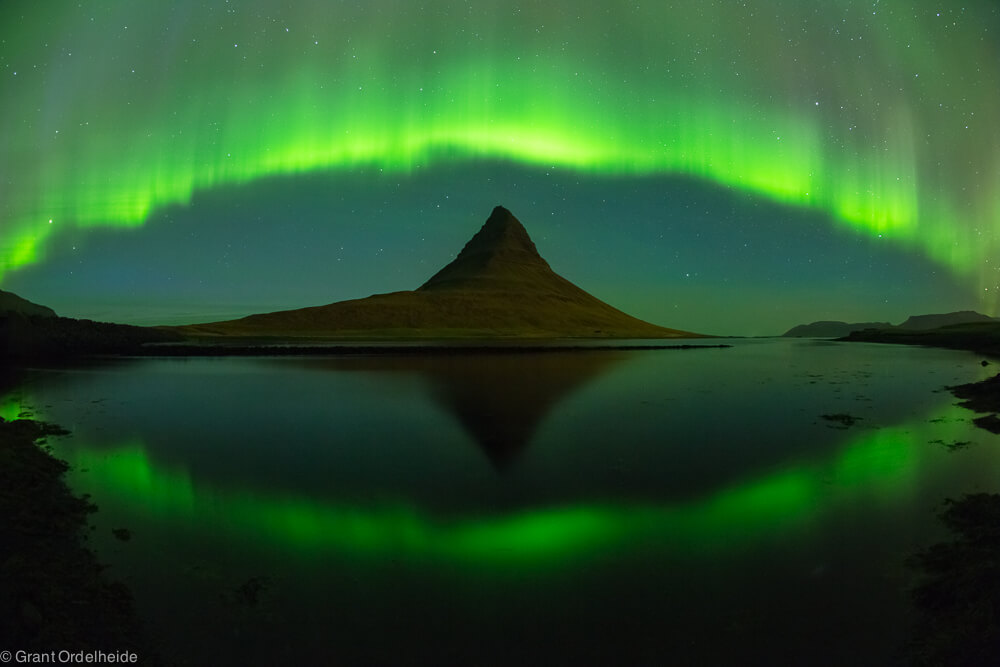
[
  {"x": 41, "y": 337},
  {"x": 31, "y": 331},
  {"x": 831, "y": 329},
  {"x": 922, "y": 322},
  {"x": 497, "y": 286},
  {"x": 980, "y": 337},
  {"x": 12, "y": 303},
  {"x": 962, "y": 330}
]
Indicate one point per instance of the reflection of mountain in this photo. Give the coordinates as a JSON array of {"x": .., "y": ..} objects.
[
  {"x": 499, "y": 399},
  {"x": 887, "y": 463},
  {"x": 502, "y": 404}
]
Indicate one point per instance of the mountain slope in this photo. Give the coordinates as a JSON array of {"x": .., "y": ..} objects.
[
  {"x": 497, "y": 286},
  {"x": 944, "y": 320},
  {"x": 12, "y": 303}
]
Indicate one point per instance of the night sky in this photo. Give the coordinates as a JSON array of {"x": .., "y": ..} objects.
[{"x": 718, "y": 166}]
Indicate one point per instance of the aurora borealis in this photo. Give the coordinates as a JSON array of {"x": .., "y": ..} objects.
[{"x": 680, "y": 159}]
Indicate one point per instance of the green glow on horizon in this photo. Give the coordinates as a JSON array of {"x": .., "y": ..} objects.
[{"x": 864, "y": 140}]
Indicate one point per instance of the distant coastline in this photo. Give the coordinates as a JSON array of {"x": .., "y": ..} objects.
[
  {"x": 421, "y": 348},
  {"x": 978, "y": 337}
]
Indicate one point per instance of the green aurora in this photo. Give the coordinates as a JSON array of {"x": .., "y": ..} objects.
[
  {"x": 877, "y": 467},
  {"x": 881, "y": 115}
]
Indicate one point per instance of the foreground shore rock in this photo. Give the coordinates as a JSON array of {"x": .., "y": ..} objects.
[{"x": 54, "y": 595}]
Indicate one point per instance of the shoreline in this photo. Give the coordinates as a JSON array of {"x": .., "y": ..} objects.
[
  {"x": 391, "y": 349},
  {"x": 54, "y": 595},
  {"x": 959, "y": 579},
  {"x": 44, "y": 583},
  {"x": 978, "y": 338}
]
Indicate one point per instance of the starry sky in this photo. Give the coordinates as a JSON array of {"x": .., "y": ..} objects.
[{"x": 719, "y": 166}]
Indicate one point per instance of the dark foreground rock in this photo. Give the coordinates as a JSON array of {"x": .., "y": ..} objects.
[
  {"x": 53, "y": 594},
  {"x": 984, "y": 397},
  {"x": 959, "y": 595}
]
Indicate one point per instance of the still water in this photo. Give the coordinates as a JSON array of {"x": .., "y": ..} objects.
[{"x": 597, "y": 507}]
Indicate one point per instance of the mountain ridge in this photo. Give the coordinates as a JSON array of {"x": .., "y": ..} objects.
[
  {"x": 831, "y": 329},
  {"x": 497, "y": 286},
  {"x": 837, "y": 329},
  {"x": 12, "y": 303},
  {"x": 937, "y": 320}
]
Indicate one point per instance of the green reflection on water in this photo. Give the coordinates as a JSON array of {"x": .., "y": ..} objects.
[
  {"x": 885, "y": 463},
  {"x": 889, "y": 454},
  {"x": 550, "y": 533},
  {"x": 11, "y": 407},
  {"x": 745, "y": 511}
]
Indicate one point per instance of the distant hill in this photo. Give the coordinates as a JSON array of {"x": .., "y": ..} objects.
[
  {"x": 497, "y": 286},
  {"x": 829, "y": 329},
  {"x": 981, "y": 337},
  {"x": 31, "y": 331},
  {"x": 38, "y": 337},
  {"x": 12, "y": 303},
  {"x": 921, "y": 322},
  {"x": 833, "y": 329}
]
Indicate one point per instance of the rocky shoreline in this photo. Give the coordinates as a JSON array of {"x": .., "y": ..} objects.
[
  {"x": 54, "y": 594},
  {"x": 959, "y": 588}
]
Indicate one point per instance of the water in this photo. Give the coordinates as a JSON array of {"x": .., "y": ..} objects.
[{"x": 605, "y": 507}]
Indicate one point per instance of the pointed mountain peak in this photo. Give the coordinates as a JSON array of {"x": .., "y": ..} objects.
[
  {"x": 495, "y": 252},
  {"x": 500, "y": 212},
  {"x": 501, "y": 232},
  {"x": 502, "y": 217},
  {"x": 497, "y": 287}
]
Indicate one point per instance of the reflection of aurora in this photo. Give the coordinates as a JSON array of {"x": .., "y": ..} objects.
[
  {"x": 13, "y": 406},
  {"x": 10, "y": 410},
  {"x": 880, "y": 464}
]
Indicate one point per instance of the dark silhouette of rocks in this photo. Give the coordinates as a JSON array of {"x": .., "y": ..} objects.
[
  {"x": 498, "y": 286},
  {"x": 983, "y": 397},
  {"x": 959, "y": 586},
  {"x": 53, "y": 592}
]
